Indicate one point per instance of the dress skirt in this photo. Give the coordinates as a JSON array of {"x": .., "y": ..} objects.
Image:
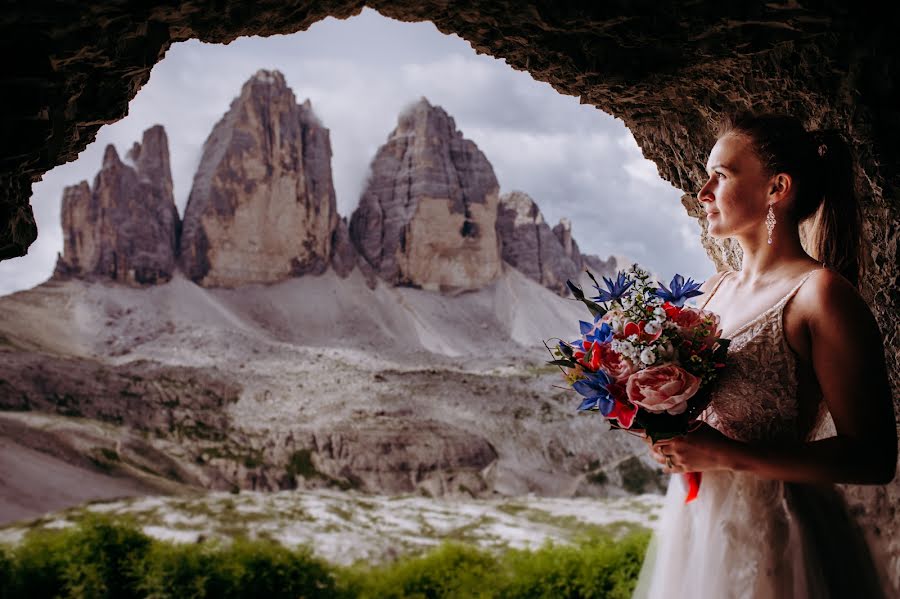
[{"x": 749, "y": 538}]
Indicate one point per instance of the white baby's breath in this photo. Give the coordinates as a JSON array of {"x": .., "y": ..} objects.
[{"x": 647, "y": 356}]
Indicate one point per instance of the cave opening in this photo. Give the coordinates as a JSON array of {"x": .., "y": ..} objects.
[{"x": 666, "y": 83}]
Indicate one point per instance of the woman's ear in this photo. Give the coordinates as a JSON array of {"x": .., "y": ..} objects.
[{"x": 780, "y": 186}]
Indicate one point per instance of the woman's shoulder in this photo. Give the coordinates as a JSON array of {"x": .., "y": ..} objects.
[{"x": 826, "y": 295}]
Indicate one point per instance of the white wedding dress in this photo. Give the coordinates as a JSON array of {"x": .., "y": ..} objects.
[{"x": 744, "y": 537}]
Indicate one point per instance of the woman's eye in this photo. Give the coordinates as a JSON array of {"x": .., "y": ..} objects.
[{"x": 720, "y": 174}]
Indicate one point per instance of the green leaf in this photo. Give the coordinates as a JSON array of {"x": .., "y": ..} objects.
[
  {"x": 594, "y": 308},
  {"x": 568, "y": 363}
]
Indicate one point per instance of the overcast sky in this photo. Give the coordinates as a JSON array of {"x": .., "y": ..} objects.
[{"x": 574, "y": 160}]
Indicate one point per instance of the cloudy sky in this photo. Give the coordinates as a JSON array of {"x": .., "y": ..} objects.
[{"x": 574, "y": 160}]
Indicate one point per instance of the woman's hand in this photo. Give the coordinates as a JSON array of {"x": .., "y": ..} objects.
[{"x": 698, "y": 451}]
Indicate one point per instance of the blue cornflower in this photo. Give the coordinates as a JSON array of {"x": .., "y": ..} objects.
[
  {"x": 680, "y": 291},
  {"x": 595, "y": 393},
  {"x": 613, "y": 291},
  {"x": 592, "y": 332}
]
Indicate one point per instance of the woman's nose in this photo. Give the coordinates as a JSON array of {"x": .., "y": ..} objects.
[{"x": 703, "y": 195}]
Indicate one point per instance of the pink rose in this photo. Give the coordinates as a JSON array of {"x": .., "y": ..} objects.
[
  {"x": 615, "y": 365},
  {"x": 665, "y": 388},
  {"x": 690, "y": 319}
]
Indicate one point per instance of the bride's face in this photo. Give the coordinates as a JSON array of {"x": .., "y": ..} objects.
[{"x": 734, "y": 195}]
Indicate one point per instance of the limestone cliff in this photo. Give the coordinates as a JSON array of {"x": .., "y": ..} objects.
[
  {"x": 262, "y": 206},
  {"x": 427, "y": 214},
  {"x": 529, "y": 244},
  {"x": 125, "y": 228},
  {"x": 548, "y": 256}
]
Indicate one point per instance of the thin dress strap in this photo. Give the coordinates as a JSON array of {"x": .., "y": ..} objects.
[
  {"x": 796, "y": 288},
  {"x": 715, "y": 288}
]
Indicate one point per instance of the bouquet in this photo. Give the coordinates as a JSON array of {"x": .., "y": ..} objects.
[{"x": 645, "y": 361}]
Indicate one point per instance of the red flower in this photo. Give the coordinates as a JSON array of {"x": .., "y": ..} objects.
[
  {"x": 671, "y": 310},
  {"x": 623, "y": 410},
  {"x": 593, "y": 356}
]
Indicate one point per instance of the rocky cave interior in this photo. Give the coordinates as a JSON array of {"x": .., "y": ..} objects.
[{"x": 667, "y": 71}]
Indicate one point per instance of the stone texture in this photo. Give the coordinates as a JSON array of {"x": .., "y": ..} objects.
[
  {"x": 667, "y": 73},
  {"x": 403, "y": 455},
  {"x": 343, "y": 252},
  {"x": 125, "y": 228},
  {"x": 548, "y": 256},
  {"x": 262, "y": 207},
  {"x": 426, "y": 217},
  {"x": 563, "y": 232},
  {"x": 529, "y": 244}
]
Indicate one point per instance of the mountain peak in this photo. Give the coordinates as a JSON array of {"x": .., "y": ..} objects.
[
  {"x": 267, "y": 77},
  {"x": 262, "y": 207},
  {"x": 110, "y": 157},
  {"x": 436, "y": 229}
]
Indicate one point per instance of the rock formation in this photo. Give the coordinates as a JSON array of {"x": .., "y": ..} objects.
[
  {"x": 427, "y": 214},
  {"x": 548, "y": 256},
  {"x": 529, "y": 244},
  {"x": 343, "y": 252},
  {"x": 125, "y": 228},
  {"x": 398, "y": 455},
  {"x": 262, "y": 207},
  {"x": 563, "y": 232}
]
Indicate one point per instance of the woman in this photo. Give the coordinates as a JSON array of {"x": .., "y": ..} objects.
[{"x": 768, "y": 522}]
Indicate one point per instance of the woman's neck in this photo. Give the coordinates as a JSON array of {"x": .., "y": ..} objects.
[{"x": 762, "y": 262}]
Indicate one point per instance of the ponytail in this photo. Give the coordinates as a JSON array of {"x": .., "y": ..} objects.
[{"x": 833, "y": 224}]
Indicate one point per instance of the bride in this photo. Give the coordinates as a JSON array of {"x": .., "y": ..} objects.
[{"x": 769, "y": 522}]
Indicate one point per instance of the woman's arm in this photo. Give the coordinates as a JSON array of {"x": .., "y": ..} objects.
[{"x": 848, "y": 360}]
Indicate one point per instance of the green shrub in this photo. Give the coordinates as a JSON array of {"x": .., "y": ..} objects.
[
  {"x": 97, "y": 559},
  {"x": 39, "y": 563},
  {"x": 102, "y": 558},
  {"x": 300, "y": 464},
  {"x": 451, "y": 570},
  {"x": 599, "y": 568},
  {"x": 241, "y": 569},
  {"x": 6, "y": 570}
]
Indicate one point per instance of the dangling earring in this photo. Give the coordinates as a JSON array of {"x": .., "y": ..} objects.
[{"x": 770, "y": 222}]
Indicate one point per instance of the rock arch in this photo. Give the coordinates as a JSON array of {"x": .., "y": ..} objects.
[{"x": 665, "y": 70}]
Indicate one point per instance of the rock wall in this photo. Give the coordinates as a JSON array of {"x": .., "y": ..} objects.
[
  {"x": 262, "y": 207},
  {"x": 125, "y": 228},
  {"x": 427, "y": 215}
]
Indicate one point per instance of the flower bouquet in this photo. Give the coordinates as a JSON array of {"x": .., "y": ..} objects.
[{"x": 645, "y": 361}]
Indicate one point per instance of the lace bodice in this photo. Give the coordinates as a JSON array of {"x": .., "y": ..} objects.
[{"x": 756, "y": 396}]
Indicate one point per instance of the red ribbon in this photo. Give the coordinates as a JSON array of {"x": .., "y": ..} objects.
[{"x": 692, "y": 482}]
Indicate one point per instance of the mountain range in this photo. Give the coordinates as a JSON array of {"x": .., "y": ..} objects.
[
  {"x": 263, "y": 341},
  {"x": 262, "y": 208}
]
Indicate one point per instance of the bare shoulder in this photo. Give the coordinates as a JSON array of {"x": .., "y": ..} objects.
[{"x": 828, "y": 298}]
